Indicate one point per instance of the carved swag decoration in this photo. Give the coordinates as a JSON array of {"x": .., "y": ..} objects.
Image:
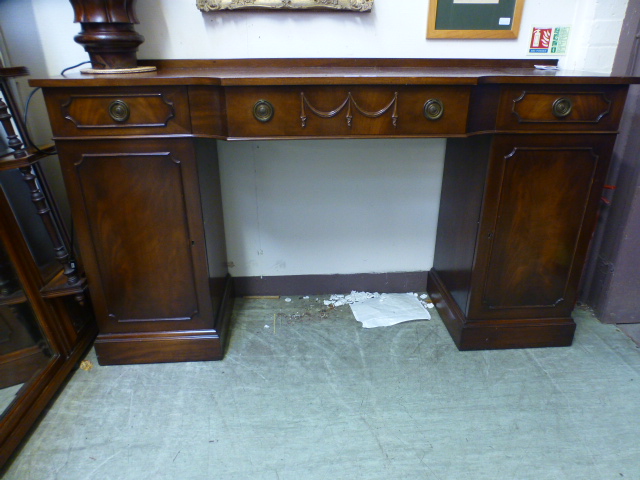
[
  {"x": 350, "y": 103},
  {"x": 349, "y": 5}
]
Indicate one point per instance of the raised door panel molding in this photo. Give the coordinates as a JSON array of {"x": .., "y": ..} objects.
[
  {"x": 138, "y": 222},
  {"x": 538, "y": 215},
  {"x": 543, "y": 195}
]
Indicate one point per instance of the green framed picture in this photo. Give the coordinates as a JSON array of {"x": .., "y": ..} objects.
[{"x": 490, "y": 19}]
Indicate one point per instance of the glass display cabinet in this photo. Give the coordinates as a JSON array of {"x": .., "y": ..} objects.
[{"x": 46, "y": 319}]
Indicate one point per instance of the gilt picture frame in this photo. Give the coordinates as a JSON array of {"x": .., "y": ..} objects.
[
  {"x": 346, "y": 5},
  {"x": 474, "y": 19}
]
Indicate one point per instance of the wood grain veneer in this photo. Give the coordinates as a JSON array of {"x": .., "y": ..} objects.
[{"x": 519, "y": 198}]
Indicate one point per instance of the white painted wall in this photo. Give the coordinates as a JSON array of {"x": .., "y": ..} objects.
[
  {"x": 331, "y": 206},
  {"x": 315, "y": 207}
]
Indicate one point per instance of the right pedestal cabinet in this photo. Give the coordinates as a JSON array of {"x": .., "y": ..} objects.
[{"x": 517, "y": 214}]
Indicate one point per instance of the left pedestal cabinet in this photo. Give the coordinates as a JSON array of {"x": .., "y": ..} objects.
[
  {"x": 151, "y": 237},
  {"x": 46, "y": 319},
  {"x": 139, "y": 217}
]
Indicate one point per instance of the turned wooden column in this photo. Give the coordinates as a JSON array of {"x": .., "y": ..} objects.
[
  {"x": 108, "y": 33},
  {"x": 32, "y": 175}
]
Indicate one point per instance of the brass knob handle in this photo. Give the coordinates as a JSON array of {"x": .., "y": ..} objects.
[
  {"x": 433, "y": 109},
  {"x": 562, "y": 107},
  {"x": 263, "y": 111},
  {"x": 119, "y": 111}
]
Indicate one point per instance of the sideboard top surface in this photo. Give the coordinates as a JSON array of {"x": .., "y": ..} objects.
[{"x": 268, "y": 72}]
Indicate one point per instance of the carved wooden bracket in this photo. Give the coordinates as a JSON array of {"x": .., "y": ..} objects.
[{"x": 349, "y": 102}]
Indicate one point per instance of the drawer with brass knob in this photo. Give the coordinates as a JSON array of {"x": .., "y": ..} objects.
[
  {"x": 561, "y": 108},
  {"x": 346, "y": 110},
  {"x": 103, "y": 111}
]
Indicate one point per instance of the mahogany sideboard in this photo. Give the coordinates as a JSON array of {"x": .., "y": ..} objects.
[{"x": 526, "y": 159}]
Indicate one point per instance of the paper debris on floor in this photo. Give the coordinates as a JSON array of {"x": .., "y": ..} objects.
[
  {"x": 353, "y": 297},
  {"x": 388, "y": 309}
]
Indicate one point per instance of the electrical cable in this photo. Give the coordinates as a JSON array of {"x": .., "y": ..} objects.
[
  {"x": 69, "y": 242},
  {"x": 79, "y": 65},
  {"x": 26, "y": 110},
  {"x": 26, "y": 128}
]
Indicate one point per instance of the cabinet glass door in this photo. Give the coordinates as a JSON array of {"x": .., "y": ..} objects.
[
  {"x": 23, "y": 349},
  {"x": 31, "y": 225}
]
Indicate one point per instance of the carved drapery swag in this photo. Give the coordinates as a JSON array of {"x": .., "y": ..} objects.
[
  {"x": 350, "y": 5},
  {"x": 349, "y": 102}
]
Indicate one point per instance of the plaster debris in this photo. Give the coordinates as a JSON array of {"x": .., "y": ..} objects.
[
  {"x": 305, "y": 298},
  {"x": 354, "y": 297},
  {"x": 287, "y": 299},
  {"x": 424, "y": 296}
]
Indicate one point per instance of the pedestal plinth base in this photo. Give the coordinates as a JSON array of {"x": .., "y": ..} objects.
[
  {"x": 490, "y": 334},
  {"x": 169, "y": 346}
]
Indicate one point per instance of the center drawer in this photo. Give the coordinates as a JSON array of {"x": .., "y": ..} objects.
[{"x": 330, "y": 111}]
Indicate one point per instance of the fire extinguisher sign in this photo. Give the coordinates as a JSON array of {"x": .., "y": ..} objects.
[{"x": 549, "y": 41}]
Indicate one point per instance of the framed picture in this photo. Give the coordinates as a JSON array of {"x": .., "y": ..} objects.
[
  {"x": 347, "y": 5},
  {"x": 488, "y": 19}
]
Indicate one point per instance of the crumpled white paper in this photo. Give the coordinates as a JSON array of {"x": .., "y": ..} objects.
[{"x": 389, "y": 309}]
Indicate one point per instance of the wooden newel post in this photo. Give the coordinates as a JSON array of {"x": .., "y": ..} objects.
[{"x": 108, "y": 33}]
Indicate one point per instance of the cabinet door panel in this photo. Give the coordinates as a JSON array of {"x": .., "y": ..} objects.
[
  {"x": 139, "y": 223},
  {"x": 538, "y": 219}
]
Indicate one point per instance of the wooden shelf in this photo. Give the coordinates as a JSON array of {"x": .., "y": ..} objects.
[
  {"x": 10, "y": 161},
  {"x": 13, "y": 299},
  {"x": 10, "y": 72},
  {"x": 58, "y": 287}
]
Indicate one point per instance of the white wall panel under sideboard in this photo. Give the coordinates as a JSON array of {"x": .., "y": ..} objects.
[{"x": 331, "y": 206}]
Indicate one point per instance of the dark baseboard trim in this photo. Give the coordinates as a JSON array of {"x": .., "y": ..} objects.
[{"x": 395, "y": 282}]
